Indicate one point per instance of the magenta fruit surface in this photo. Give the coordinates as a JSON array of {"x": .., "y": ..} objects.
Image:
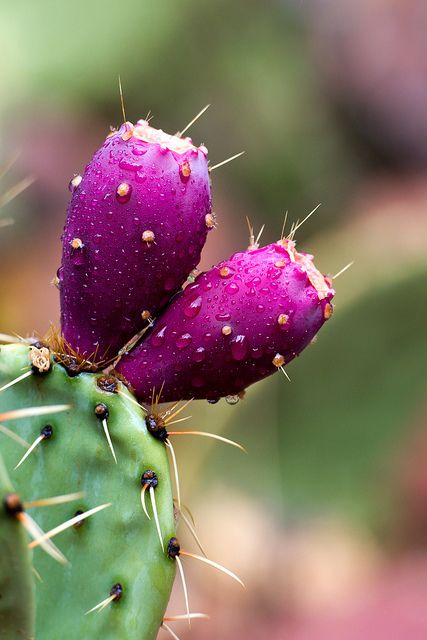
[
  {"x": 238, "y": 323},
  {"x": 136, "y": 224}
]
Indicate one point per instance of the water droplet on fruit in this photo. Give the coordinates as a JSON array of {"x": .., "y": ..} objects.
[
  {"x": 159, "y": 337},
  {"x": 199, "y": 354},
  {"x": 128, "y": 165},
  {"x": 139, "y": 151},
  {"x": 193, "y": 308},
  {"x": 183, "y": 341},
  {"x": 232, "y": 399},
  {"x": 222, "y": 317},
  {"x": 239, "y": 347},
  {"x": 256, "y": 352},
  {"x": 232, "y": 288},
  {"x": 140, "y": 177}
]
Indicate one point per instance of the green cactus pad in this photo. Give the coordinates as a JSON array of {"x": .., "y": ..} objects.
[
  {"x": 17, "y": 600},
  {"x": 116, "y": 545}
]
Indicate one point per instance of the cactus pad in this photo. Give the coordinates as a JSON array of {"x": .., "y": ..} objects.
[{"x": 113, "y": 552}]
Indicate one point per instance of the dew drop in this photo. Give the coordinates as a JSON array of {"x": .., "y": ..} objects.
[
  {"x": 222, "y": 317},
  {"x": 239, "y": 347},
  {"x": 139, "y": 151},
  {"x": 199, "y": 354},
  {"x": 140, "y": 177},
  {"x": 128, "y": 165},
  {"x": 183, "y": 341},
  {"x": 256, "y": 352},
  {"x": 159, "y": 337},
  {"x": 232, "y": 288},
  {"x": 193, "y": 308}
]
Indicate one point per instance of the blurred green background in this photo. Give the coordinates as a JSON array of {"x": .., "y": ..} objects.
[{"x": 326, "y": 518}]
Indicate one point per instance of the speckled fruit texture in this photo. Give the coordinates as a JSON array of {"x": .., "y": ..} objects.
[
  {"x": 136, "y": 224},
  {"x": 237, "y": 324}
]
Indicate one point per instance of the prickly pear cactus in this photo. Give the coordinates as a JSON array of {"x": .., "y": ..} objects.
[
  {"x": 117, "y": 545},
  {"x": 89, "y": 463},
  {"x": 17, "y": 602}
]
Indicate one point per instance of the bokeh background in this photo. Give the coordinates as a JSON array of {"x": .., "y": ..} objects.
[{"x": 326, "y": 517}]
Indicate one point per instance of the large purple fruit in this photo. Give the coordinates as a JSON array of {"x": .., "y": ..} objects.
[
  {"x": 237, "y": 323},
  {"x": 136, "y": 224}
]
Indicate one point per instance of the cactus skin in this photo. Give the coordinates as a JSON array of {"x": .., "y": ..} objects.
[
  {"x": 17, "y": 598},
  {"x": 237, "y": 324},
  {"x": 118, "y": 544},
  {"x": 113, "y": 268}
]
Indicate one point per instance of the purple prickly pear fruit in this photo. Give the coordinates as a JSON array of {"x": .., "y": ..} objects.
[
  {"x": 136, "y": 224},
  {"x": 238, "y": 323}
]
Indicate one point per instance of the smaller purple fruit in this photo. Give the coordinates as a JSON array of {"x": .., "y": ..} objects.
[{"x": 236, "y": 324}]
